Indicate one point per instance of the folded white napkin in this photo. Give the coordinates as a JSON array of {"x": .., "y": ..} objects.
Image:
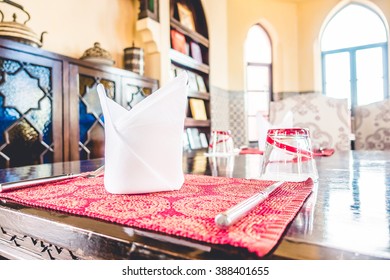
[
  {"x": 263, "y": 125},
  {"x": 143, "y": 146}
]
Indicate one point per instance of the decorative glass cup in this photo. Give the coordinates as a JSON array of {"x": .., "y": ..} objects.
[
  {"x": 222, "y": 166},
  {"x": 221, "y": 143},
  {"x": 288, "y": 156}
]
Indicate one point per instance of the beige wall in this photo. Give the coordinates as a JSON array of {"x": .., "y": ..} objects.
[
  {"x": 281, "y": 18},
  {"x": 217, "y": 22},
  {"x": 73, "y": 25},
  {"x": 294, "y": 26}
]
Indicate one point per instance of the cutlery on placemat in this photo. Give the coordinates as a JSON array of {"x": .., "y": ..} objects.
[
  {"x": 8, "y": 186},
  {"x": 233, "y": 214}
]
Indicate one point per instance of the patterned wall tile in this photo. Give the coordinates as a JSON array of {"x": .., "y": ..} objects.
[
  {"x": 228, "y": 113},
  {"x": 237, "y": 118},
  {"x": 219, "y": 107}
]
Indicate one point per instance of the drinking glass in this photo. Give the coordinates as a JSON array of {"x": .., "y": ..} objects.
[
  {"x": 288, "y": 156},
  {"x": 222, "y": 166},
  {"x": 221, "y": 143}
]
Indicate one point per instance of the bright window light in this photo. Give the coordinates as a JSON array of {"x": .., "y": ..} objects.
[
  {"x": 354, "y": 25},
  {"x": 258, "y": 58},
  {"x": 354, "y": 56}
]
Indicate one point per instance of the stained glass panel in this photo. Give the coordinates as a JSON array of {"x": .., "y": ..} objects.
[
  {"x": 25, "y": 147},
  {"x": 7, "y": 117},
  {"x": 42, "y": 119},
  {"x": 135, "y": 94},
  {"x": 21, "y": 92},
  {"x": 25, "y": 114},
  {"x": 86, "y": 121},
  {"x": 91, "y": 144}
]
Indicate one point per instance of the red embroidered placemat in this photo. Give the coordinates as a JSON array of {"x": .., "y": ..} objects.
[{"x": 188, "y": 212}]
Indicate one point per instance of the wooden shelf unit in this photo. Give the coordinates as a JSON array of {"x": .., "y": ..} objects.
[{"x": 197, "y": 64}]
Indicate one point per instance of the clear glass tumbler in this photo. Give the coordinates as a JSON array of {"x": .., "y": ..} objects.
[
  {"x": 222, "y": 166},
  {"x": 221, "y": 143},
  {"x": 288, "y": 156}
]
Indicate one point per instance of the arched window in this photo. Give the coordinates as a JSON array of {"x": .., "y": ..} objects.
[
  {"x": 258, "y": 62},
  {"x": 354, "y": 56}
]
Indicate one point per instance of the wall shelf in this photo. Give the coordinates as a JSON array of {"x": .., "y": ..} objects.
[
  {"x": 186, "y": 61},
  {"x": 190, "y": 52},
  {"x": 193, "y": 35},
  {"x": 190, "y": 122}
]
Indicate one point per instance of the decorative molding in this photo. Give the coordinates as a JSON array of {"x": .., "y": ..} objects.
[
  {"x": 34, "y": 247},
  {"x": 150, "y": 32}
]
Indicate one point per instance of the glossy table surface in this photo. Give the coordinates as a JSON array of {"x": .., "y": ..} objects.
[{"x": 346, "y": 217}]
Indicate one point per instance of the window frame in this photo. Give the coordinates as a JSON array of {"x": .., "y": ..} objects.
[
  {"x": 352, "y": 66},
  {"x": 270, "y": 79}
]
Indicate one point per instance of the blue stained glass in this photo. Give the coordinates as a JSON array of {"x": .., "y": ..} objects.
[
  {"x": 92, "y": 100},
  {"x": 9, "y": 66},
  {"x": 86, "y": 121},
  {"x": 84, "y": 154},
  {"x": 7, "y": 117},
  {"x": 42, "y": 119},
  {"x": 21, "y": 92},
  {"x": 43, "y": 74},
  {"x": 48, "y": 157}
]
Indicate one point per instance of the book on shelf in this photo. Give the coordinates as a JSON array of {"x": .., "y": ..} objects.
[
  {"x": 192, "y": 82},
  {"x": 185, "y": 16},
  {"x": 196, "y": 52},
  {"x": 201, "y": 83},
  {"x": 194, "y": 138},
  {"x": 172, "y": 72},
  {"x": 179, "y": 41},
  {"x": 186, "y": 143},
  {"x": 178, "y": 71},
  {"x": 203, "y": 140},
  {"x": 187, "y": 48},
  {"x": 199, "y": 165},
  {"x": 198, "y": 109}
]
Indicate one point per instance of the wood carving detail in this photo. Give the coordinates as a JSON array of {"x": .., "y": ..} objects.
[{"x": 35, "y": 246}]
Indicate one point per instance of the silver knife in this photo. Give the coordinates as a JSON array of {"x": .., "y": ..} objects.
[
  {"x": 232, "y": 215},
  {"x": 32, "y": 182}
]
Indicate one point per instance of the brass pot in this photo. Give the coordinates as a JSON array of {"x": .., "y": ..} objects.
[{"x": 19, "y": 32}]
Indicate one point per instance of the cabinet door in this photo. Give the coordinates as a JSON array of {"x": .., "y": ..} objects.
[
  {"x": 86, "y": 126},
  {"x": 135, "y": 90},
  {"x": 30, "y": 109}
]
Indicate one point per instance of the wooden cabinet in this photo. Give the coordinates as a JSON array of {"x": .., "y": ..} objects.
[
  {"x": 49, "y": 110},
  {"x": 190, "y": 52}
]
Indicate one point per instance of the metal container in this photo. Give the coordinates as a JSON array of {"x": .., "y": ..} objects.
[
  {"x": 98, "y": 55},
  {"x": 134, "y": 60},
  {"x": 19, "y": 32}
]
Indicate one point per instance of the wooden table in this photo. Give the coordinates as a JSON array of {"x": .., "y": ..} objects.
[{"x": 348, "y": 217}]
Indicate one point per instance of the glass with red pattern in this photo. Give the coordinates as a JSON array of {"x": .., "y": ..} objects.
[
  {"x": 288, "y": 156},
  {"x": 221, "y": 143}
]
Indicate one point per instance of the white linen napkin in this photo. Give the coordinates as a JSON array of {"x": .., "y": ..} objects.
[
  {"x": 263, "y": 125},
  {"x": 143, "y": 146}
]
